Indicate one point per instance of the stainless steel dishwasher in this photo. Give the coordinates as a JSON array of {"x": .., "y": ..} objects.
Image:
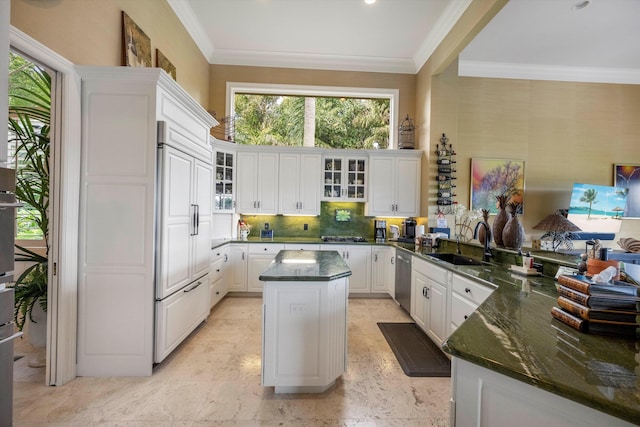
[{"x": 403, "y": 280}]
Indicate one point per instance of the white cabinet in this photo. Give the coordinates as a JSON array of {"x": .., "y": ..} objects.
[
  {"x": 394, "y": 184},
  {"x": 482, "y": 397},
  {"x": 304, "y": 335},
  {"x": 257, "y": 182},
  {"x": 383, "y": 270},
  {"x": 185, "y": 220},
  {"x": 358, "y": 258},
  {"x": 224, "y": 163},
  {"x": 466, "y": 296},
  {"x": 260, "y": 256},
  {"x": 429, "y": 302},
  {"x": 344, "y": 178},
  {"x": 299, "y": 184},
  {"x": 218, "y": 274},
  {"x": 118, "y": 257},
  {"x": 237, "y": 271}
]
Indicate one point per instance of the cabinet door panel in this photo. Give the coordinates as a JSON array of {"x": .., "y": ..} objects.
[
  {"x": 419, "y": 283},
  {"x": 381, "y": 186},
  {"x": 407, "y": 187},
  {"x": 246, "y": 182},
  {"x": 268, "y": 183},
  {"x": 436, "y": 316},
  {"x": 203, "y": 178},
  {"x": 289, "y": 179},
  {"x": 310, "y": 185}
]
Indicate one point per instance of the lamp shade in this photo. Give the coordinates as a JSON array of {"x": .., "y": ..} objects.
[{"x": 556, "y": 222}]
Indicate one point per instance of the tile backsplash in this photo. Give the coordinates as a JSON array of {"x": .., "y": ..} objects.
[{"x": 323, "y": 225}]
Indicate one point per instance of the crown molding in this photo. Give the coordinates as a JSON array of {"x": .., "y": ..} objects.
[
  {"x": 548, "y": 72},
  {"x": 189, "y": 20}
]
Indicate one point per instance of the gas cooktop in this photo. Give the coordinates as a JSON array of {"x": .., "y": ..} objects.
[{"x": 343, "y": 239}]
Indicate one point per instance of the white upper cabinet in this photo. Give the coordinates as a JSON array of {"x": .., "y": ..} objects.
[
  {"x": 344, "y": 178},
  {"x": 224, "y": 180},
  {"x": 300, "y": 184},
  {"x": 394, "y": 184},
  {"x": 257, "y": 182}
]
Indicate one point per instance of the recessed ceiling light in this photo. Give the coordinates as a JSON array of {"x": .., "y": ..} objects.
[
  {"x": 369, "y": 1},
  {"x": 581, "y": 5}
]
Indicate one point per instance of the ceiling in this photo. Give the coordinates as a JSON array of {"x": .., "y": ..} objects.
[{"x": 533, "y": 39}]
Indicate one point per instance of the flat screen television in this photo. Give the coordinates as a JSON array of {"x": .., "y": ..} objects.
[{"x": 597, "y": 208}]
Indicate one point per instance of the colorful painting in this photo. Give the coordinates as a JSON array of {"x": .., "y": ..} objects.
[
  {"x": 165, "y": 64},
  {"x": 136, "y": 45},
  {"x": 493, "y": 177},
  {"x": 597, "y": 208},
  {"x": 627, "y": 177}
]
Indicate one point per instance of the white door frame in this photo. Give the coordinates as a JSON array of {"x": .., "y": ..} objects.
[{"x": 62, "y": 313}]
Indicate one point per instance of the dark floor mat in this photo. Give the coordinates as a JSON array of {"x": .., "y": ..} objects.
[{"x": 416, "y": 353}]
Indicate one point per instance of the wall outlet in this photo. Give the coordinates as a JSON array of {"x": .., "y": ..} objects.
[
  {"x": 305, "y": 227},
  {"x": 266, "y": 225}
]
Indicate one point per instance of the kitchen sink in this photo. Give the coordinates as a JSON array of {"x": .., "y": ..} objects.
[{"x": 456, "y": 259}]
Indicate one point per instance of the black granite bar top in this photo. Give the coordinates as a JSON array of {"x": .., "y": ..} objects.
[{"x": 306, "y": 266}]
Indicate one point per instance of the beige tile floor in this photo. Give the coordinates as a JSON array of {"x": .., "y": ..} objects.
[{"x": 213, "y": 379}]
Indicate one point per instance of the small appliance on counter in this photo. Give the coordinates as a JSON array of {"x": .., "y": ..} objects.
[
  {"x": 380, "y": 230},
  {"x": 408, "y": 231},
  {"x": 395, "y": 232}
]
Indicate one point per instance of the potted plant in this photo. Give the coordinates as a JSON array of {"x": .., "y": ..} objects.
[{"x": 29, "y": 125}]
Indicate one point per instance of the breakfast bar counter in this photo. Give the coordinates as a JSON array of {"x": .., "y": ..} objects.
[{"x": 304, "y": 329}]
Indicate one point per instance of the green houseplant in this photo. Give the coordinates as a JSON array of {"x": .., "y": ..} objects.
[{"x": 29, "y": 125}]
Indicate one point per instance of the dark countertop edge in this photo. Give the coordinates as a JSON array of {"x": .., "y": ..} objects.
[
  {"x": 215, "y": 243},
  {"x": 266, "y": 278}
]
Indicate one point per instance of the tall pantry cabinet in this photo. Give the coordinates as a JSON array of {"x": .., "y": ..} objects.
[{"x": 129, "y": 298}]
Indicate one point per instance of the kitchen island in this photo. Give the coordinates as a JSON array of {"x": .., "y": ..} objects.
[{"x": 304, "y": 329}]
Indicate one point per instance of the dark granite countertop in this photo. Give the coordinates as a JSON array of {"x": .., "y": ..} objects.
[
  {"x": 306, "y": 266},
  {"x": 513, "y": 333}
]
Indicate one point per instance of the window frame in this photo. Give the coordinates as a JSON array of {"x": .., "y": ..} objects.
[{"x": 392, "y": 95}]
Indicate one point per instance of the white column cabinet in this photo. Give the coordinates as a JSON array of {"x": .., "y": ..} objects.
[
  {"x": 394, "y": 184},
  {"x": 430, "y": 302},
  {"x": 358, "y": 258},
  {"x": 383, "y": 269},
  {"x": 344, "y": 178},
  {"x": 299, "y": 180},
  {"x": 257, "y": 182}
]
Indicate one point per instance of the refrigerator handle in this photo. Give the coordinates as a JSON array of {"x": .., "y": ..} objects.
[
  {"x": 193, "y": 219},
  {"x": 197, "y": 219}
]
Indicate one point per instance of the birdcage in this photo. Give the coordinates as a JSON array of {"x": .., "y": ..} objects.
[
  {"x": 226, "y": 129},
  {"x": 406, "y": 133}
]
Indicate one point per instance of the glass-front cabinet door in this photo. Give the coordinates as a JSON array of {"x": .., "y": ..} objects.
[
  {"x": 344, "y": 178},
  {"x": 224, "y": 201}
]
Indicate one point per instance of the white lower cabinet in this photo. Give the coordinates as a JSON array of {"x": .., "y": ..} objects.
[
  {"x": 304, "y": 335},
  {"x": 482, "y": 397},
  {"x": 358, "y": 258},
  {"x": 178, "y": 315},
  {"x": 429, "y": 298},
  {"x": 383, "y": 270},
  {"x": 237, "y": 271},
  {"x": 466, "y": 296},
  {"x": 260, "y": 256},
  {"x": 218, "y": 274}
]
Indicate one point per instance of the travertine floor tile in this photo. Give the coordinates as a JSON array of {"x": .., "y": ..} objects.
[{"x": 213, "y": 379}]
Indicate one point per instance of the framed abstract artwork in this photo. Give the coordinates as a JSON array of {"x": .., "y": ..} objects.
[
  {"x": 627, "y": 178},
  {"x": 165, "y": 64},
  {"x": 136, "y": 45},
  {"x": 493, "y": 177}
]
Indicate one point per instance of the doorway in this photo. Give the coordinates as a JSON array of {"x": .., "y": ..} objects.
[{"x": 64, "y": 163}]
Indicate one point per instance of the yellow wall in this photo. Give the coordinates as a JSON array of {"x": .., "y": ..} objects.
[
  {"x": 566, "y": 132},
  {"x": 89, "y": 32}
]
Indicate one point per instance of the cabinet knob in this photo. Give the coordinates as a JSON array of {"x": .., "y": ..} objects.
[
  {"x": 466, "y": 317},
  {"x": 467, "y": 290},
  {"x": 218, "y": 270}
]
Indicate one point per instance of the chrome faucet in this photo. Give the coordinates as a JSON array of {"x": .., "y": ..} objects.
[{"x": 487, "y": 254}]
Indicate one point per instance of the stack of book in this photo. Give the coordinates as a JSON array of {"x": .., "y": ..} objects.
[{"x": 611, "y": 308}]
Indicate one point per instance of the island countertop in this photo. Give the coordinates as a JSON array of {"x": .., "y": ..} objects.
[{"x": 306, "y": 266}]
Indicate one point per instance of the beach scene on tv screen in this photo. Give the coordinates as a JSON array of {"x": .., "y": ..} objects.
[{"x": 597, "y": 208}]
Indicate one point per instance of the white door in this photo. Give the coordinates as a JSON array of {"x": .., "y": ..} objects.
[
  {"x": 436, "y": 316},
  {"x": 289, "y": 181},
  {"x": 358, "y": 259},
  {"x": 407, "y": 187},
  {"x": 203, "y": 178},
  {"x": 247, "y": 182},
  {"x": 176, "y": 221},
  {"x": 419, "y": 288},
  {"x": 381, "y": 186},
  {"x": 310, "y": 184},
  {"x": 237, "y": 271},
  {"x": 268, "y": 183}
]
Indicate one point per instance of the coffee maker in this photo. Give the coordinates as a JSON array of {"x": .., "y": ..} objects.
[
  {"x": 409, "y": 228},
  {"x": 380, "y": 230}
]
